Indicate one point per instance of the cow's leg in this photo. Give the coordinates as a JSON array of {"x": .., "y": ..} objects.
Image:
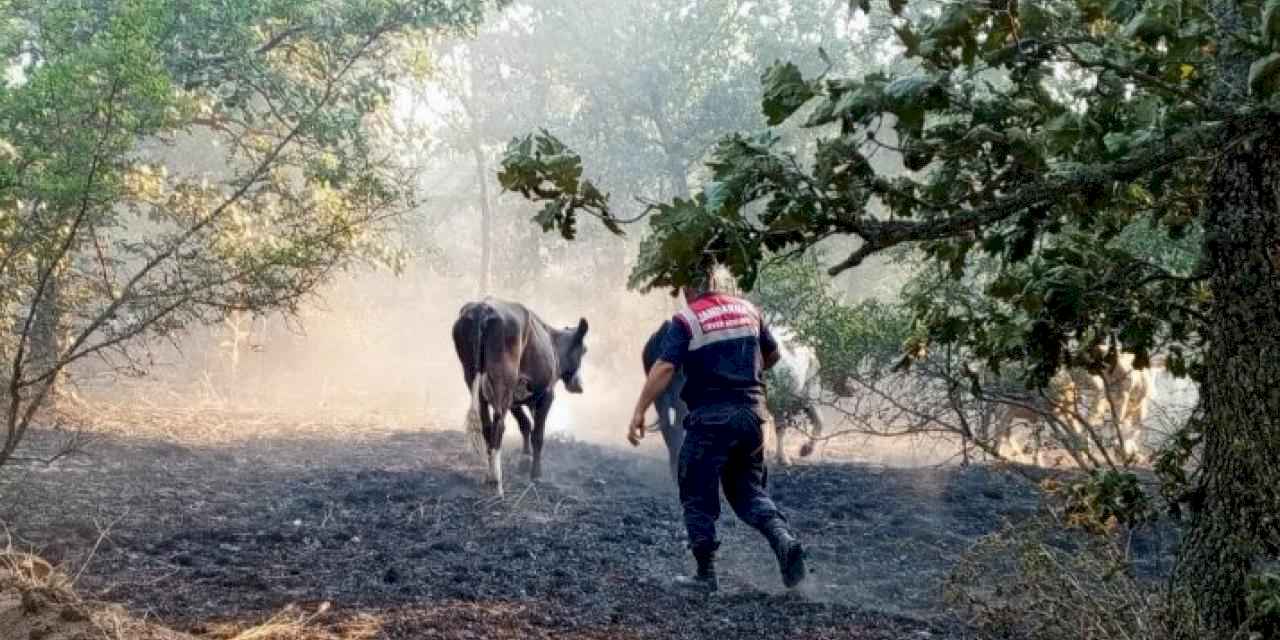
[
  {"x": 1037, "y": 427},
  {"x": 780, "y": 445},
  {"x": 1137, "y": 431},
  {"x": 541, "y": 407},
  {"x": 1136, "y": 418},
  {"x": 526, "y": 429},
  {"x": 672, "y": 434},
  {"x": 501, "y": 385},
  {"x": 1119, "y": 399},
  {"x": 495, "y": 450},
  {"x": 1017, "y": 442},
  {"x": 522, "y": 420},
  {"x": 1096, "y": 401},
  {"x": 815, "y": 425},
  {"x": 1003, "y": 434},
  {"x": 491, "y": 430}
]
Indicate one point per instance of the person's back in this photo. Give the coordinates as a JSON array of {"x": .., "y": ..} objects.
[
  {"x": 724, "y": 347},
  {"x": 723, "y": 339}
]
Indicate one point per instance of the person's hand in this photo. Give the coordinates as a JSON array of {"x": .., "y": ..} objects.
[{"x": 635, "y": 433}]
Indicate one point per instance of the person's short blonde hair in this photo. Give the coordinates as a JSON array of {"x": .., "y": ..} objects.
[{"x": 715, "y": 278}]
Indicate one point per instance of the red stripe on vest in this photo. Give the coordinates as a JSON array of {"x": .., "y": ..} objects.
[{"x": 722, "y": 313}]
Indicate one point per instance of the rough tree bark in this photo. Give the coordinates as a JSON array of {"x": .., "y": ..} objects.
[
  {"x": 1236, "y": 497},
  {"x": 1236, "y": 511}
]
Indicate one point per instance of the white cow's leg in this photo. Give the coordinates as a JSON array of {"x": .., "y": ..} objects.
[
  {"x": 1095, "y": 399},
  {"x": 1014, "y": 447},
  {"x": 495, "y": 469},
  {"x": 1000, "y": 431},
  {"x": 1119, "y": 410},
  {"x": 1137, "y": 419},
  {"x": 780, "y": 449},
  {"x": 816, "y": 426},
  {"x": 1130, "y": 444}
]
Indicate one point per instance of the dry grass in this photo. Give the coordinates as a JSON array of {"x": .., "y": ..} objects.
[
  {"x": 37, "y": 601},
  {"x": 1040, "y": 582},
  {"x": 295, "y": 624}
]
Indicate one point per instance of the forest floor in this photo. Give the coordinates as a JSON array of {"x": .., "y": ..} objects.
[{"x": 205, "y": 521}]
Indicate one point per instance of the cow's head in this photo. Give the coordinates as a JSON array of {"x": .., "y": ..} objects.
[{"x": 571, "y": 350}]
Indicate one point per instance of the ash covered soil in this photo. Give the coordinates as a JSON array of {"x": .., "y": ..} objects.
[{"x": 393, "y": 524}]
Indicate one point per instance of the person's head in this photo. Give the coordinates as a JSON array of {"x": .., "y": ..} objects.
[{"x": 710, "y": 277}]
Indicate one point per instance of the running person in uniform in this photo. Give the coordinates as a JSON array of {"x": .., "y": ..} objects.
[{"x": 724, "y": 347}]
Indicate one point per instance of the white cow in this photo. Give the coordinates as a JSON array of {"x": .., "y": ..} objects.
[
  {"x": 1058, "y": 403},
  {"x": 1128, "y": 392},
  {"x": 794, "y": 392},
  {"x": 1122, "y": 387}
]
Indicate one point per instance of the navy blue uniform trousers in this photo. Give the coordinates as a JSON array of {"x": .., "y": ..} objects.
[{"x": 723, "y": 448}]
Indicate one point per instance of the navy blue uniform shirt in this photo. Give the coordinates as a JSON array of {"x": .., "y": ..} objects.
[{"x": 720, "y": 341}]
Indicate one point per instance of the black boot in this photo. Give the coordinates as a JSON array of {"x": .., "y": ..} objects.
[
  {"x": 704, "y": 581},
  {"x": 788, "y": 550}
]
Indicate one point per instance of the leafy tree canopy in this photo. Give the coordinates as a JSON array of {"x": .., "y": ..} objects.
[
  {"x": 1041, "y": 134},
  {"x": 163, "y": 161}
]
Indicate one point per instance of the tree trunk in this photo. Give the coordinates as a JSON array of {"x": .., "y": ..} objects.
[
  {"x": 677, "y": 169},
  {"x": 486, "y": 219},
  {"x": 1234, "y": 517},
  {"x": 677, "y": 166}
]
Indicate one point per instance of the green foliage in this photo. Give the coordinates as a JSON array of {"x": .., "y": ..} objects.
[
  {"x": 1047, "y": 179},
  {"x": 1171, "y": 464},
  {"x": 544, "y": 166},
  {"x": 1263, "y": 601},
  {"x": 164, "y": 162},
  {"x": 847, "y": 339},
  {"x": 1106, "y": 499},
  {"x": 787, "y": 91},
  {"x": 785, "y": 399}
]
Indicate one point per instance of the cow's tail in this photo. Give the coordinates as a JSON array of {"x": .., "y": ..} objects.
[{"x": 474, "y": 426}]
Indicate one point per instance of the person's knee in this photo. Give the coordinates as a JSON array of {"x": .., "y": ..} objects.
[
  {"x": 760, "y": 512},
  {"x": 699, "y": 497}
]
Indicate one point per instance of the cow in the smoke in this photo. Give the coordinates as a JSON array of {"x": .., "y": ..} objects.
[
  {"x": 511, "y": 360},
  {"x": 793, "y": 392}
]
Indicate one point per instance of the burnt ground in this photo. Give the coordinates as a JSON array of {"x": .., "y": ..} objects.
[{"x": 393, "y": 524}]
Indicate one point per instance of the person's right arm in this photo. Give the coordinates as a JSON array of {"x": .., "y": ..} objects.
[{"x": 674, "y": 345}]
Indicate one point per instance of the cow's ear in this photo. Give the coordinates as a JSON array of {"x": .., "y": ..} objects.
[{"x": 582, "y": 329}]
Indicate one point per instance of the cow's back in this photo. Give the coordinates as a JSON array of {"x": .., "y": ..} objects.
[
  {"x": 489, "y": 332},
  {"x": 797, "y": 361},
  {"x": 653, "y": 346},
  {"x": 670, "y": 397}
]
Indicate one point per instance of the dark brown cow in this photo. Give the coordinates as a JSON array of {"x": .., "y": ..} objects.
[{"x": 511, "y": 361}]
